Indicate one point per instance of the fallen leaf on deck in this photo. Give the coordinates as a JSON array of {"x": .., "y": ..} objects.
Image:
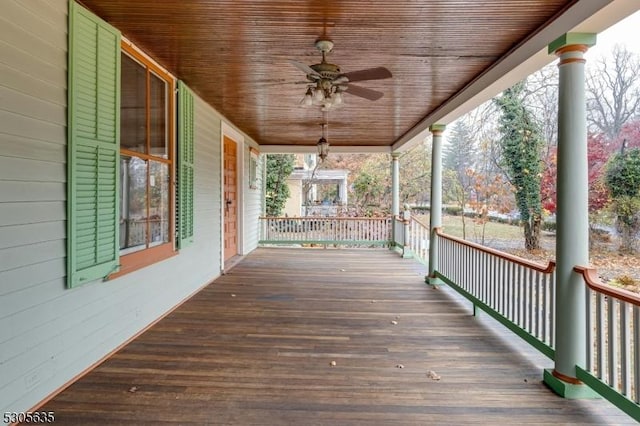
[
  {"x": 399, "y": 366},
  {"x": 394, "y": 322},
  {"x": 432, "y": 375},
  {"x": 233, "y": 295},
  {"x": 333, "y": 363},
  {"x": 133, "y": 389},
  {"x": 343, "y": 270}
]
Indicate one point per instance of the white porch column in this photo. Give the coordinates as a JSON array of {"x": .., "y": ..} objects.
[
  {"x": 435, "y": 209},
  {"x": 572, "y": 216},
  {"x": 395, "y": 194},
  {"x": 395, "y": 184},
  {"x": 343, "y": 192}
]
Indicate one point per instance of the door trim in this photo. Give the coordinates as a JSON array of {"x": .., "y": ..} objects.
[{"x": 232, "y": 134}]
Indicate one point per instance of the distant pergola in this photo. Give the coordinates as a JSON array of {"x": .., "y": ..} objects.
[{"x": 303, "y": 185}]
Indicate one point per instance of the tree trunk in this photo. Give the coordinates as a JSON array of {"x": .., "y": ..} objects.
[
  {"x": 532, "y": 229},
  {"x": 627, "y": 229}
]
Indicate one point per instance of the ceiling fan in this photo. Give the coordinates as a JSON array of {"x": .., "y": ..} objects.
[{"x": 327, "y": 83}]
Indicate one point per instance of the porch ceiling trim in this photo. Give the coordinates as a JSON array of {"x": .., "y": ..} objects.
[{"x": 311, "y": 149}]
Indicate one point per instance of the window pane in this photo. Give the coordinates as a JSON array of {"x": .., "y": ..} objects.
[
  {"x": 133, "y": 124},
  {"x": 133, "y": 203},
  {"x": 159, "y": 199},
  {"x": 158, "y": 117}
]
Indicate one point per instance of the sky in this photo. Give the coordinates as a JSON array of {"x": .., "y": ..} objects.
[{"x": 626, "y": 32}]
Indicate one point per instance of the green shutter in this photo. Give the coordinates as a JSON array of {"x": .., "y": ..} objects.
[
  {"x": 93, "y": 147},
  {"x": 185, "y": 165}
]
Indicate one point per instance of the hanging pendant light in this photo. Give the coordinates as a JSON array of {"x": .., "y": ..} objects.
[
  {"x": 323, "y": 148},
  {"x": 323, "y": 144}
]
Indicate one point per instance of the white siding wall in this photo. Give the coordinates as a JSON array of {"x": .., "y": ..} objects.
[
  {"x": 252, "y": 204},
  {"x": 49, "y": 334},
  {"x": 208, "y": 209}
]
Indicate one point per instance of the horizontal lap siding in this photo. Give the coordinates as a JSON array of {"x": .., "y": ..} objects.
[
  {"x": 252, "y": 204},
  {"x": 207, "y": 186},
  {"x": 49, "y": 334},
  {"x": 33, "y": 52}
]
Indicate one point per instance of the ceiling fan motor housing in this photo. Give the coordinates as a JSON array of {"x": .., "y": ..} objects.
[
  {"x": 326, "y": 70},
  {"x": 323, "y": 45}
]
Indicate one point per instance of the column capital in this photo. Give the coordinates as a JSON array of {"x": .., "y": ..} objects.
[
  {"x": 395, "y": 155},
  {"x": 581, "y": 41},
  {"x": 437, "y": 129}
]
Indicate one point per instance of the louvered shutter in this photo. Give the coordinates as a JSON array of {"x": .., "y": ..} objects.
[
  {"x": 93, "y": 147},
  {"x": 185, "y": 165}
]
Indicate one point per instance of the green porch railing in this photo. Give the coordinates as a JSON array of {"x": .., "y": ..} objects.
[
  {"x": 418, "y": 240},
  {"x": 613, "y": 343},
  {"x": 338, "y": 231},
  {"x": 518, "y": 293},
  {"x": 521, "y": 295}
]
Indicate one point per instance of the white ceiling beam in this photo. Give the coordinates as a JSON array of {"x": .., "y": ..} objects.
[{"x": 312, "y": 149}]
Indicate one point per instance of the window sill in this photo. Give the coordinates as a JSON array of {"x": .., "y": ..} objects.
[{"x": 143, "y": 258}]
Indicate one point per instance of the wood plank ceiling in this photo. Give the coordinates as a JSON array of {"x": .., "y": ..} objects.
[{"x": 234, "y": 54}]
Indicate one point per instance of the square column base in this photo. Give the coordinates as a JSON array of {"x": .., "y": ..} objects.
[
  {"x": 433, "y": 281},
  {"x": 568, "y": 390},
  {"x": 407, "y": 253}
]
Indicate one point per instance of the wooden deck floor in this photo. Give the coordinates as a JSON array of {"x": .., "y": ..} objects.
[{"x": 256, "y": 347}]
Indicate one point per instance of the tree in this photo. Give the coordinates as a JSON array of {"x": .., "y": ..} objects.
[
  {"x": 372, "y": 185},
  {"x": 415, "y": 174},
  {"x": 370, "y": 178},
  {"x": 541, "y": 96},
  {"x": 459, "y": 152},
  {"x": 368, "y": 189},
  {"x": 456, "y": 189},
  {"x": 613, "y": 92},
  {"x": 623, "y": 181},
  {"x": 457, "y": 162},
  {"x": 598, "y": 153},
  {"x": 491, "y": 192},
  {"x": 279, "y": 168},
  {"x": 548, "y": 187},
  {"x": 521, "y": 144}
]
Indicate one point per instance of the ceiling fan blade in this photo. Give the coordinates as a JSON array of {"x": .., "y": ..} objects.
[
  {"x": 304, "y": 68},
  {"x": 372, "y": 95},
  {"x": 378, "y": 73}
]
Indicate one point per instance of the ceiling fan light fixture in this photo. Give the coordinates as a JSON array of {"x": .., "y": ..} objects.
[
  {"x": 318, "y": 94},
  {"x": 337, "y": 98},
  {"x": 307, "y": 101}
]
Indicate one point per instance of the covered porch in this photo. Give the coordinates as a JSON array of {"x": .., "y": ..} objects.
[{"x": 257, "y": 346}]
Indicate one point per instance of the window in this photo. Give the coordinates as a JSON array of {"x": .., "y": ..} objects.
[
  {"x": 121, "y": 163},
  {"x": 146, "y": 161}
]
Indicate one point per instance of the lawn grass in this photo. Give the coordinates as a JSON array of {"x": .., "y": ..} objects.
[
  {"x": 452, "y": 225},
  {"x": 510, "y": 238}
]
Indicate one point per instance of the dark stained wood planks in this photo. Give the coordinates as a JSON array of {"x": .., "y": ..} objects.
[
  {"x": 255, "y": 347},
  {"x": 235, "y": 55}
]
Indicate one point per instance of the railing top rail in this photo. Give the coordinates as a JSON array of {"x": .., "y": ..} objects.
[
  {"x": 515, "y": 259},
  {"x": 324, "y": 218},
  {"x": 590, "y": 276},
  {"x": 420, "y": 222}
]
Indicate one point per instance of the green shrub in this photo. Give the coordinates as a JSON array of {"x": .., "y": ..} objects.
[
  {"x": 549, "y": 226},
  {"x": 452, "y": 210}
]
